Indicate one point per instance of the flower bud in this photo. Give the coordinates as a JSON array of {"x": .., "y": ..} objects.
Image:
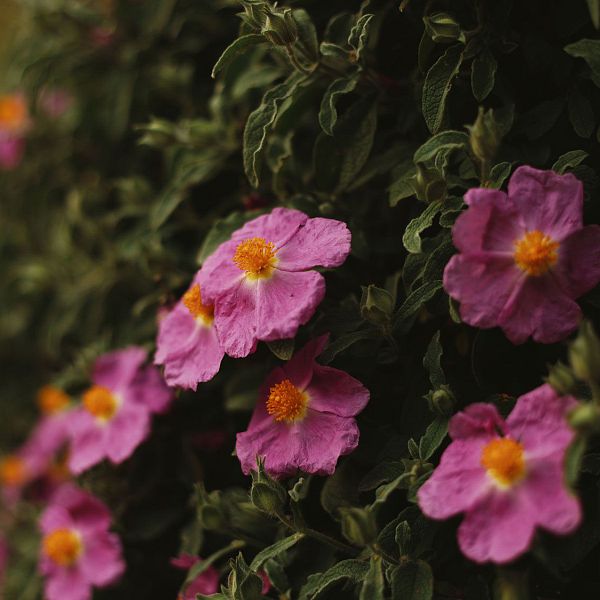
[
  {"x": 443, "y": 28},
  {"x": 562, "y": 379},
  {"x": 442, "y": 401},
  {"x": 485, "y": 136},
  {"x": 358, "y": 525},
  {"x": 584, "y": 354},
  {"x": 376, "y": 305},
  {"x": 280, "y": 28},
  {"x": 429, "y": 185},
  {"x": 266, "y": 493},
  {"x": 585, "y": 418}
]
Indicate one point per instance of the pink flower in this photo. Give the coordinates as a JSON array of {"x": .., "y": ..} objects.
[
  {"x": 262, "y": 282},
  {"x": 304, "y": 417},
  {"x": 78, "y": 551},
  {"x": 19, "y": 469},
  {"x": 12, "y": 148},
  {"x": 506, "y": 476},
  {"x": 187, "y": 343},
  {"x": 116, "y": 411},
  {"x": 524, "y": 257},
  {"x": 206, "y": 583}
]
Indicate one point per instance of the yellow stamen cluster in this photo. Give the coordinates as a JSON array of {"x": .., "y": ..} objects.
[
  {"x": 63, "y": 546},
  {"x": 535, "y": 253},
  {"x": 503, "y": 459},
  {"x": 13, "y": 113},
  {"x": 52, "y": 400},
  {"x": 256, "y": 257},
  {"x": 12, "y": 471},
  {"x": 286, "y": 402},
  {"x": 192, "y": 300},
  {"x": 100, "y": 402}
]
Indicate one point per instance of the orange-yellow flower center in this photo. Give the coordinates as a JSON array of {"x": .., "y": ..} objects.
[
  {"x": 503, "y": 459},
  {"x": 51, "y": 400},
  {"x": 535, "y": 253},
  {"x": 13, "y": 112},
  {"x": 100, "y": 402},
  {"x": 192, "y": 300},
  {"x": 63, "y": 546},
  {"x": 12, "y": 471},
  {"x": 286, "y": 402},
  {"x": 256, "y": 257}
]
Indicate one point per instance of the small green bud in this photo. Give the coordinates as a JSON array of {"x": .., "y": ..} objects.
[
  {"x": 429, "y": 185},
  {"x": 485, "y": 136},
  {"x": 443, "y": 28},
  {"x": 358, "y": 525},
  {"x": 585, "y": 418},
  {"x": 376, "y": 305},
  {"x": 562, "y": 379},
  {"x": 254, "y": 14},
  {"x": 442, "y": 401},
  {"x": 584, "y": 354},
  {"x": 211, "y": 517},
  {"x": 266, "y": 493},
  {"x": 404, "y": 538},
  {"x": 280, "y": 28},
  {"x": 242, "y": 582}
]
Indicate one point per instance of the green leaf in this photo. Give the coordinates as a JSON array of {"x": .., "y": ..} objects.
[
  {"x": 414, "y": 302},
  {"x": 282, "y": 349},
  {"x": 344, "y": 342},
  {"x": 275, "y": 550},
  {"x": 499, "y": 174},
  {"x": 353, "y": 570},
  {"x": 412, "y": 581},
  {"x": 569, "y": 160},
  {"x": 260, "y": 121},
  {"x": 581, "y": 114},
  {"x": 594, "y": 8},
  {"x": 433, "y": 437},
  {"x": 403, "y": 538},
  {"x": 238, "y": 47},
  {"x": 483, "y": 74},
  {"x": 412, "y": 234},
  {"x": 574, "y": 458},
  {"x": 444, "y": 141},
  {"x": 359, "y": 35},
  {"x": 373, "y": 586},
  {"x": 307, "y": 34},
  {"x": 328, "y": 113},
  {"x": 438, "y": 83},
  {"x": 540, "y": 119},
  {"x": 589, "y": 50},
  {"x": 432, "y": 361}
]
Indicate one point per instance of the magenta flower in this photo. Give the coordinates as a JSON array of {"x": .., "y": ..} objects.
[
  {"x": 19, "y": 469},
  {"x": 304, "y": 419},
  {"x": 78, "y": 551},
  {"x": 115, "y": 415},
  {"x": 506, "y": 476},
  {"x": 524, "y": 257},
  {"x": 12, "y": 149},
  {"x": 187, "y": 343},
  {"x": 262, "y": 281},
  {"x": 206, "y": 583}
]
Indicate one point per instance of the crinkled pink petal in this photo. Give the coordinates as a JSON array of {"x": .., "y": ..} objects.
[
  {"x": 548, "y": 202},
  {"x": 50, "y": 434},
  {"x": 336, "y": 392},
  {"x": 319, "y": 242},
  {"x": 286, "y": 301},
  {"x": 67, "y": 584},
  {"x": 87, "y": 441},
  {"x": 540, "y": 309},
  {"x": 538, "y": 421},
  {"x": 116, "y": 370},
  {"x": 578, "y": 268},
  {"x": 126, "y": 431},
  {"x": 482, "y": 285},
  {"x": 555, "y": 508},
  {"x": 299, "y": 369},
  {"x": 458, "y": 483},
  {"x": 101, "y": 562},
  {"x": 490, "y": 224},
  {"x": 149, "y": 389},
  {"x": 219, "y": 273},
  {"x": 86, "y": 511},
  {"x": 236, "y": 320},
  {"x": 312, "y": 445},
  {"x": 499, "y": 529},
  {"x": 55, "y": 517},
  {"x": 189, "y": 351},
  {"x": 478, "y": 420},
  {"x": 277, "y": 227},
  {"x": 207, "y": 583}
]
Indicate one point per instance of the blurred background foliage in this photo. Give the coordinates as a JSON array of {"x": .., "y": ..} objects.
[{"x": 351, "y": 109}]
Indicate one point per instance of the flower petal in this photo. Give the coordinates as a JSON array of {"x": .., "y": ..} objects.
[
  {"x": 547, "y": 201},
  {"x": 67, "y": 584},
  {"x": 299, "y": 369},
  {"x": 319, "y": 242},
  {"x": 478, "y": 420},
  {"x": 578, "y": 267},
  {"x": 334, "y": 391},
  {"x": 278, "y": 226},
  {"x": 116, "y": 370},
  {"x": 127, "y": 430},
  {"x": 87, "y": 441},
  {"x": 101, "y": 563}
]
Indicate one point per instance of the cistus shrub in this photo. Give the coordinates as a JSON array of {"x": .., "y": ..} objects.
[{"x": 299, "y": 300}]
